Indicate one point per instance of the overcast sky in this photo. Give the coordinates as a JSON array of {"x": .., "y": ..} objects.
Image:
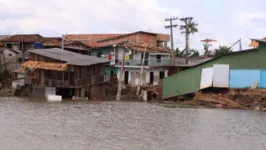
[{"x": 222, "y": 20}]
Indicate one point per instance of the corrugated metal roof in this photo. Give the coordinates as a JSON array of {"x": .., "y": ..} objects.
[{"x": 70, "y": 58}]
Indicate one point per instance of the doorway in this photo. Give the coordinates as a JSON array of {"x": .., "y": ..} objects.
[
  {"x": 151, "y": 77},
  {"x": 126, "y": 77},
  {"x": 162, "y": 75},
  {"x": 65, "y": 92}
]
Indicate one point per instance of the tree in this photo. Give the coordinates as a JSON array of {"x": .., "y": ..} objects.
[
  {"x": 222, "y": 50},
  {"x": 194, "y": 53},
  {"x": 188, "y": 28},
  {"x": 182, "y": 54},
  {"x": 179, "y": 53}
]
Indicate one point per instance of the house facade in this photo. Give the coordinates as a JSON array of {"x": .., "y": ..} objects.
[
  {"x": 66, "y": 73},
  {"x": 21, "y": 42},
  {"x": 156, "y": 60}
]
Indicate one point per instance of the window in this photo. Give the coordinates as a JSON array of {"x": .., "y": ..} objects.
[{"x": 159, "y": 58}]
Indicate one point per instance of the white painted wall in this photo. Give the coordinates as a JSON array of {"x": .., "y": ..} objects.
[
  {"x": 50, "y": 91},
  {"x": 16, "y": 46},
  {"x": 206, "y": 78},
  {"x": 11, "y": 58},
  {"x": 166, "y": 73},
  {"x": 137, "y": 55},
  {"x": 221, "y": 76}
]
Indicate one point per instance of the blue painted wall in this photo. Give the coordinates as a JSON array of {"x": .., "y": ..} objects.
[
  {"x": 244, "y": 78},
  {"x": 263, "y": 79}
]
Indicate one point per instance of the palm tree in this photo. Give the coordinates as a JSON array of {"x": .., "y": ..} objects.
[
  {"x": 222, "y": 50},
  {"x": 188, "y": 28}
]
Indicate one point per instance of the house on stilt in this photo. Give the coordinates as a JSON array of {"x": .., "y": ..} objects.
[{"x": 60, "y": 72}]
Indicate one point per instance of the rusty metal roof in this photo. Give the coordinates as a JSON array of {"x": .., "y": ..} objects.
[
  {"x": 70, "y": 58},
  {"x": 67, "y": 44},
  {"x": 149, "y": 48},
  {"x": 44, "y": 65},
  {"x": 23, "y": 38},
  {"x": 162, "y": 37}
]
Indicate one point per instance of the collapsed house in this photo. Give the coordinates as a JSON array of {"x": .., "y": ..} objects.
[
  {"x": 236, "y": 70},
  {"x": 61, "y": 72}
]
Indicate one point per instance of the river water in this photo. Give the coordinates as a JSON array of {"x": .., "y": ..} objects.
[{"x": 38, "y": 125}]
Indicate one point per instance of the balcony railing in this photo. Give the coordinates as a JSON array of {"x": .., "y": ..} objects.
[
  {"x": 147, "y": 62},
  {"x": 68, "y": 84}
]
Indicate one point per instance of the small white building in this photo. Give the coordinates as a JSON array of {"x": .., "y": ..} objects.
[{"x": 9, "y": 59}]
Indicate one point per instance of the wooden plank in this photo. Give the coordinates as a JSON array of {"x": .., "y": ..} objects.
[{"x": 216, "y": 99}]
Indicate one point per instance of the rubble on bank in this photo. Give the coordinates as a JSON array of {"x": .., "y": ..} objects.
[{"x": 252, "y": 99}]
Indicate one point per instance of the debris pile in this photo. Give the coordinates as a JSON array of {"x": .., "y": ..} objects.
[
  {"x": 235, "y": 98},
  {"x": 217, "y": 99}
]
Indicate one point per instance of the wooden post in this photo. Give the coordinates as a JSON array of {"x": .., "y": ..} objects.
[
  {"x": 141, "y": 71},
  {"x": 5, "y": 63},
  {"x": 118, "y": 96}
]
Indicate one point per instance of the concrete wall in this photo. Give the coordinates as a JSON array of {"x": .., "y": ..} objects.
[
  {"x": 11, "y": 58},
  {"x": 134, "y": 75}
]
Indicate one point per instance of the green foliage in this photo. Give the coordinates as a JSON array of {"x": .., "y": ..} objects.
[
  {"x": 190, "y": 27},
  {"x": 221, "y": 51},
  {"x": 182, "y": 53}
]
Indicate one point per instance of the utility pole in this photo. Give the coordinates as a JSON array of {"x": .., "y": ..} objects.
[
  {"x": 141, "y": 71},
  {"x": 240, "y": 44},
  {"x": 62, "y": 41},
  {"x": 171, "y": 26},
  {"x": 206, "y": 45},
  {"x": 120, "y": 80},
  {"x": 186, "y": 21}
]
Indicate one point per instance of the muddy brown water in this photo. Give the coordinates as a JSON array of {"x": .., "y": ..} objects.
[{"x": 38, "y": 125}]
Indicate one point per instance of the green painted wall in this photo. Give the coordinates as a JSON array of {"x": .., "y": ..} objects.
[
  {"x": 109, "y": 69},
  {"x": 188, "y": 81}
]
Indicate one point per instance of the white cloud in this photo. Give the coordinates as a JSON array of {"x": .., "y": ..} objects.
[
  {"x": 82, "y": 16},
  {"x": 217, "y": 20}
]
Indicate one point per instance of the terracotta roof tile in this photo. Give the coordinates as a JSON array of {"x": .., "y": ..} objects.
[
  {"x": 90, "y": 39},
  {"x": 23, "y": 38},
  {"x": 149, "y": 48},
  {"x": 19, "y": 70},
  {"x": 44, "y": 65}
]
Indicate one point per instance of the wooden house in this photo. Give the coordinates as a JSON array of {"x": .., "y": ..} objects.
[{"x": 69, "y": 73}]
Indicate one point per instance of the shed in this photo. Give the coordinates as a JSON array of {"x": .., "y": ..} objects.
[{"x": 188, "y": 81}]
